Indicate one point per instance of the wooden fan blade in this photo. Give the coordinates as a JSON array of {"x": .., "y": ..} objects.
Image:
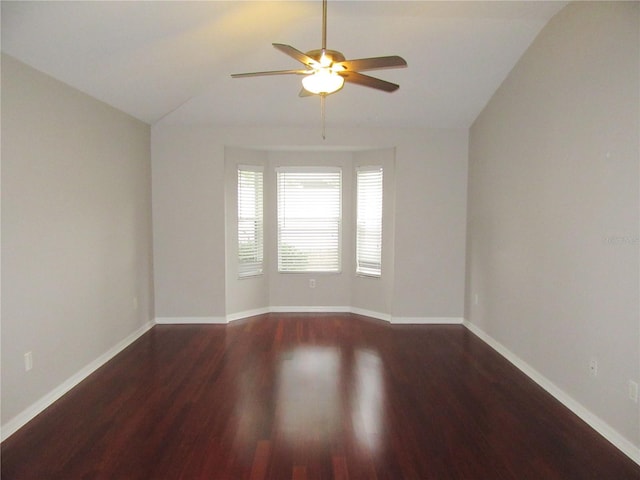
[
  {"x": 367, "y": 81},
  {"x": 297, "y": 54},
  {"x": 374, "y": 63},
  {"x": 273, "y": 72}
]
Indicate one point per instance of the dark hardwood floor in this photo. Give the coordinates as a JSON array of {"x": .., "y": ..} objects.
[{"x": 310, "y": 396}]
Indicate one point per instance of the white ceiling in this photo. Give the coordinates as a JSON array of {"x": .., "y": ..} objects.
[{"x": 170, "y": 61}]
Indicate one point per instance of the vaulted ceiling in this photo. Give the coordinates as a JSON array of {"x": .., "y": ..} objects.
[{"x": 171, "y": 61}]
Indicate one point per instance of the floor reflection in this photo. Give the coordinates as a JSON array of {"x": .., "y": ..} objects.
[
  {"x": 308, "y": 399},
  {"x": 367, "y": 399}
]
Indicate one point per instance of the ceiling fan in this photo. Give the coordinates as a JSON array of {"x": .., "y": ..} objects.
[{"x": 326, "y": 71}]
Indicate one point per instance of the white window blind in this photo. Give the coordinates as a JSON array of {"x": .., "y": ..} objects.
[
  {"x": 250, "y": 221},
  {"x": 309, "y": 219},
  {"x": 369, "y": 221}
]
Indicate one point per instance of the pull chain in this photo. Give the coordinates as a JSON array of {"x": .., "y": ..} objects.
[{"x": 323, "y": 97}]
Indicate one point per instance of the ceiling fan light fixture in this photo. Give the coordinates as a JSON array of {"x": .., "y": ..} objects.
[
  {"x": 323, "y": 81},
  {"x": 325, "y": 61},
  {"x": 326, "y": 70}
]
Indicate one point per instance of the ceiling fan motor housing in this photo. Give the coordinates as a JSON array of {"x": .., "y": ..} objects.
[{"x": 332, "y": 55}]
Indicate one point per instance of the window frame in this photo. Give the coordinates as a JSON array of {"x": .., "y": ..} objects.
[
  {"x": 295, "y": 170},
  {"x": 374, "y": 269},
  {"x": 248, "y": 269}
]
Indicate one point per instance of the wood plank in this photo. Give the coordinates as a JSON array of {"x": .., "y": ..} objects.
[
  {"x": 340, "y": 470},
  {"x": 310, "y": 396},
  {"x": 261, "y": 461},
  {"x": 299, "y": 473}
]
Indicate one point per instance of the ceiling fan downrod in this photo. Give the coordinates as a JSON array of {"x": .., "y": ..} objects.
[{"x": 324, "y": 26}]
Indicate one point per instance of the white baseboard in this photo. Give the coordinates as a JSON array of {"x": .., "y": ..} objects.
[
  {"x": 310, "y": 309},
  {"x": 599, "y": 425},
  {"x": 40, "y": 405},
  {"x": 260, "y": 311},
  {"x": 426, "y": 320},
  {"x": 189, "y": 320},
  {"x": 335, "y": 309},
  {"x": 307, "y": 309},
  {"x": 247, "y": 313},
  {"x": 369, "y": 313}
]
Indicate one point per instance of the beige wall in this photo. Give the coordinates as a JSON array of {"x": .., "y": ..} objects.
[
  {"x": 249, "y": 293},
  {"x": 553, "y": 210},
  {"x": 189, "y": 218},
  {"x": 188, "y": 225},
  {"x": 274, "y": 290},
  {"x": 76, "y": 232},
  {"x": 367, "y": 293},
  {"x": 292, "y": 289}
]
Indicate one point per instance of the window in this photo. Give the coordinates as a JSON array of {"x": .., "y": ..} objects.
[
  {"x": 369, "y": 221},
  {"x": 309, "y": 219},
  {"x": 250, "y": 221}
]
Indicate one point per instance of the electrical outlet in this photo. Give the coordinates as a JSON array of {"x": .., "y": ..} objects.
[
  {"x": 633, "y": 391},
  {"x": 593, "y": 367},
  {"x": 28, "y": 361},
  {"x": 312, "y": 283},
  {"x": 135, "y": 303},
  {"x": 476, "y": 299}
]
